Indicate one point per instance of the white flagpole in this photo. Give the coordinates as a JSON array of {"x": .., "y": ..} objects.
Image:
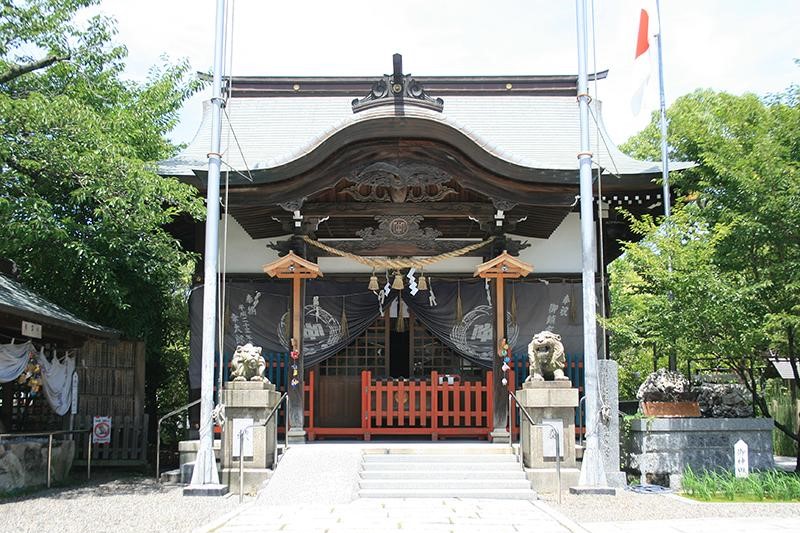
[
  {"x": 592, "y": 473},
  {"x": 205, "y": 477},
  {"x": 664, "y": 152}
]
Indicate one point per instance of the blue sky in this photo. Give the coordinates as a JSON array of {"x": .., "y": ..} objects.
[{"x": 735, "y": 45}]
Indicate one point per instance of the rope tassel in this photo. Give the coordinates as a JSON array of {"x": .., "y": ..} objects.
[
  {"x": 459, "y": 309},
  {"x": 343, "y": 321}
]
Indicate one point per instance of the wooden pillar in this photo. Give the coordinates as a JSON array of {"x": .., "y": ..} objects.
[
  {"x": 500, "y": 391},
  {"x": 501, "y": 268},
  {"x": 298, "y": 270}
]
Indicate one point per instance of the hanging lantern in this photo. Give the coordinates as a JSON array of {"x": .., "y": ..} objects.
[
  {"x": 397, "y": 284},
  {"x": 373, "y": 282}
]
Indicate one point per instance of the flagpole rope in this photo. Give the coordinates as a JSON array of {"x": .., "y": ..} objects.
[{"x": 397, "y": 262}]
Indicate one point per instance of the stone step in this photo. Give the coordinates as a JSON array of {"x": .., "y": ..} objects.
[
  {"x": 171, "y": 477},
  {"x": 443, "y": 474},
  {"x": 500, "y": 494},
  {"x": 444, "y": 449},
  {"x": 440, "y": 483},
  {"x": 439, "y": 458},
  {"x": 430, "y": 466}
]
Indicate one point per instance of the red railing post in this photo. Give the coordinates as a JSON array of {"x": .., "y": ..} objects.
[
  {"x": 488, "y": 387},
  {"x": 365, "y": 404},
  {"x": 434, "y": 405}
]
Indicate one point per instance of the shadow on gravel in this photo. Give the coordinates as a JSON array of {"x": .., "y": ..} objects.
[{"x": 101, "y": 485}]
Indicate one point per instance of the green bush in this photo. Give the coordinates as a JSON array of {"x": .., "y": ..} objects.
[
  {"x": 783, "y": 410},
  {"x": 759, "y": 486}
]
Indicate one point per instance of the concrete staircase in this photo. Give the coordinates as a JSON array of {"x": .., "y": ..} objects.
[{"x": 478, "y": 471}]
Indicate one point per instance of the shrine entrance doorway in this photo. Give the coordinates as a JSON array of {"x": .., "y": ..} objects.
[{"x": 388, "y": 378}]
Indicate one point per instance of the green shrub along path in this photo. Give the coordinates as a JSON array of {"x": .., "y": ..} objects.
[{"x": 757, "y": 487}]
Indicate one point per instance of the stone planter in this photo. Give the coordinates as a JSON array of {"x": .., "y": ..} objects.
[
  {"x": 662, "y": 448},
  {"x": 671, "y": 409},
  {"x": 23, "y": 462}
]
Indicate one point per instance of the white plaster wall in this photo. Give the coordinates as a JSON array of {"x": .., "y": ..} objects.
[
  {"x": 560, "y": 253},
  {"x": 245, "y": 255}
]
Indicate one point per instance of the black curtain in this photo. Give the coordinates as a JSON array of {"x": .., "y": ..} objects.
[
  {"x": 258, "y": 312},
  {"x": 555, "y": 306}
]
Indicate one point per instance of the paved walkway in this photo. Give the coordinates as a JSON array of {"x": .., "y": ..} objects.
[
  {"x": 699, "y": 525},
  {"x": 412, "y": 515},
  {"x": 315, "y": 491}
]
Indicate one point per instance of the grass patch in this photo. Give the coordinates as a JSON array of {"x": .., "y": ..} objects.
[{"x": 724, "y": 486}]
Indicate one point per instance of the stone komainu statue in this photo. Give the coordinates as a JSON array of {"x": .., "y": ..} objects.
[
  {"x": 545, "y": 355},
  {"x": 247, "y": 364}
]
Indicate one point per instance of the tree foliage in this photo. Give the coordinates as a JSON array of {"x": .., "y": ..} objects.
[
  {"x": 721, "y": 278},
  {"x": 82, "y": 211}
]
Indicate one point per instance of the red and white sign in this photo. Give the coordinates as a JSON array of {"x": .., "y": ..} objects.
[{"x": 101, "y": 430}]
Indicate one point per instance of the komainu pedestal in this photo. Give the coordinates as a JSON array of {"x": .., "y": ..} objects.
[
  {"x": 553, "y": 403},
  {"x": 248, "y": 403}
]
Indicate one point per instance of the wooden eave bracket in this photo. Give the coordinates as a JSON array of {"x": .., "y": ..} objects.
[
  {"x": 504, "y": 265},
  {"x": 292, "y": 266}
]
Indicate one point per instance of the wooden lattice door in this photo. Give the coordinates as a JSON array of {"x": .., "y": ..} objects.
[{"x": 337, "y": 400}]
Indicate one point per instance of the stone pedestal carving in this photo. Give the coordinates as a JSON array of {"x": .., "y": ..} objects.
[
  {"x": 548, "y": 402},
  {"x": 248, "y": 402}
]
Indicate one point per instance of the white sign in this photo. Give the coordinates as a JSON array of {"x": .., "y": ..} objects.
[
  {"x": 741, "y": 462},
  {"x": 31, "y": 329},
  {"x": 74, "y": 409},
  {"x": 549, "y": 440},
  {"x": 245, "y": 424},
  {"x": 101, "y": 430}
]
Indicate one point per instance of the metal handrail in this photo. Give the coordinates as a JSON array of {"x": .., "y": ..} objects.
[
  {"x": 158, "y": 433},
  {"x": 275, "y": 448},
  {"x": 553, "y": 430},
  {"x": 581, "y": 402},
  {"x": 49, "y": 435}
]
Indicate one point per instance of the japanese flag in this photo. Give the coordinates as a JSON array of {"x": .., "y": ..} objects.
[{"x": 643, "y": 59}]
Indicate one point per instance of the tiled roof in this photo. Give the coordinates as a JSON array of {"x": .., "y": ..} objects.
[
  {"x": 538, "y": 132},
  {"x": 15, "y": 299}
]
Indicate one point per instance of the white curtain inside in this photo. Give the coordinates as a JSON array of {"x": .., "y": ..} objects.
[
  {"x": 56, "y": 375},
  {"x": 13, "y": 360}
]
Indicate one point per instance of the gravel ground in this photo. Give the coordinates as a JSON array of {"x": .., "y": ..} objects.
[
  {"x": 126, "y": 504},
  {"x": 628, "y": 506}
]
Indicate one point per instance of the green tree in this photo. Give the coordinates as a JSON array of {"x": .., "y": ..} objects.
[
  {"x": 739, "y": 298},
  {"x": 82, "y": 212}
]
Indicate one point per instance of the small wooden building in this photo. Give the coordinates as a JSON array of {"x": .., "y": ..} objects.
[
  {"x": 398, "y": 187},
  {"x": 110, "y": 374}
]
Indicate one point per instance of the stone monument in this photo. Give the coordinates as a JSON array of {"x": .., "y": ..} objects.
[
  {"x": 550, "y": 400},
  {"x": 248, "y": 400}
]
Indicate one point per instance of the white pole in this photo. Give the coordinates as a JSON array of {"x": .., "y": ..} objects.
[
  {"x": 205, "y": 467},
  {"x": 664, "y": 153},
  {"x": 592, "y": 473}
]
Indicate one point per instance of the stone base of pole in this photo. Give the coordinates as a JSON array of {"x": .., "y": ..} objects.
[
  {"x": 500, "y": 436},
  {"x": 593, "y": 491},
  {"x": 205, "y": 490},
  {"x": 296, "y": 436}
]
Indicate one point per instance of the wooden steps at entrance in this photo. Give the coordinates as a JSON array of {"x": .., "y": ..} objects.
[{"x": 443, "y": 471}]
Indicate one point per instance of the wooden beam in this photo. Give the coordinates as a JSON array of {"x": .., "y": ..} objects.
[{"x": 365, "y": 209}]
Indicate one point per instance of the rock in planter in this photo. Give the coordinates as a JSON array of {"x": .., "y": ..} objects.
[
  {"x": 724, "y": 400},
  {"x": 665, "y": 386},
  {"x": 23, "y": 462}
]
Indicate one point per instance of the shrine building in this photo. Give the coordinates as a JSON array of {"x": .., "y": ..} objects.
[{"x": 386, "y": 199}]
